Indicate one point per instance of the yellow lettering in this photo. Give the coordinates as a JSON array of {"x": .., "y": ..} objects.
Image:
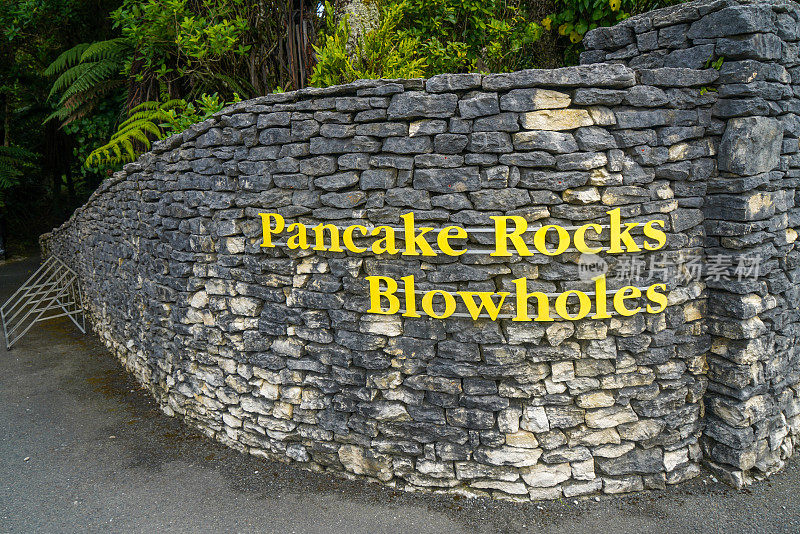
[
  {"x": 583, "y": 309},
  {"x": 444, "y": 237},
  {"x": 522, "y": 302},
  {"x": 600, "y": 298},
  {"x": 501, "y": 236},
  {"x": 267, "y": 230},
  {"x": 657, "y": 298},
  {"x": 413, "y": 240},
  {"x": 580, "y": 238},
  {"x": 449, "y": 304},
  {"x": 486, "y": 302},
  {"x": 298, "y": 240},
  {"x": 385, "y": 245},
  {"x": 411, "y": 296},
  {"x": 319, "y": 237},
  {"x": 347, "y": 237},
  {"x": 622, "y": 295},
  {"x": 540, "y": 240},
  {"x": 375, "y": 295},
  {"x": 619, "y": 236},
  {"x": 654, "y": 233}
]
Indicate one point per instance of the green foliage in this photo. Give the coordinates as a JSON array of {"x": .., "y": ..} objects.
[
  {"x": 712, "y": 63},
  {"x": 14, "y": 162},
  {"x": 471, "y": 35},
  {"x": 143, "y": 123},
  {"x": 576, "y": 17},
  {"x": 380, "y": 53},
  {"x": 152, "y": 120},
  {"x": 194, "y": 44},
  {"x": 427, "y": 37},
  {"x": 92, "y": 131},
  {"x": 197, "y": 111},
  {"x": 573, "y": 18},
  {"x": 715, "y": 64},
  {"x": 86, "y": 74}
]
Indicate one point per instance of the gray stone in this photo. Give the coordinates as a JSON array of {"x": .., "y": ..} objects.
[
  {"x": 601, "y": 75},
  {"x": 593, "y": 97},
  {"x": 552, "y": 181},
  {"x": 733, "y": 20},
  {"x": 447, "y": 180},
  {"x": 412, "y": 105},
  {"x": 442, "y": 83},
  {"x": 408, "y": 145},
  {"x": 336, "y": 182},
  {"x": 378, "y": 178},
  {"x": 504, "y": 122},
  {"x": 557, "y": 142},
  {"x": 450, "y": 143},
  {"x": 640, "y": 461},
  {"x": 344, "y": 200},
  {"x": 677, "y": 77},
  {"x": 478, "y": 105},
  {"x": 499, "y": 199},
  {"x": 750, "y": 145},
  {"x": 645, "y": 96},
  {"x": 594, "y": 139},
  {"x": 495, "y": 142},
  {"x": 760, "y": 46},
  {"x": 533, "y": 99}
]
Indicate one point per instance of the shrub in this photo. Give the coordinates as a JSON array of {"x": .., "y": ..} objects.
[{"x": 380, "y": 53}]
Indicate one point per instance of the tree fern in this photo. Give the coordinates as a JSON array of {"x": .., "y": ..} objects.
[
  {"x": 66, "y": 60},
  {"x": 149, "y": 120},
  {"x": 86, "y": 72}
]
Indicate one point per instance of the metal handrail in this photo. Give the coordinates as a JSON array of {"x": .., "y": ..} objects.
[{"x": 52, "y": 287}]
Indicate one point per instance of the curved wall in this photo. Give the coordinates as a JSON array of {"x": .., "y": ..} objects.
[{"x": 272, "y": 351}]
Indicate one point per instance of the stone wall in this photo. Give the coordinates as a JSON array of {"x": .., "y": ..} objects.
[
  {"x": 752, "y": 405},
  {"x": 271, "y": 351}
]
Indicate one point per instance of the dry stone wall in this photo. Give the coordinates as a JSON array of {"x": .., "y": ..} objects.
[
  {"x": 752, "y": 406},
  {"x": 271, "y": 350}
]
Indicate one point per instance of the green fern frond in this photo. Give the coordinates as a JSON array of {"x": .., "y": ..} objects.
[
  {"x": 111, "y": 49},
  {"x": 81, "y": 104},
  {"x": 143, "y": 125},
  {"x": 86, "y": 71},
  {"x": 67, "y": 78},
  {"x": 90, "y": 77},
  {"x": 66, "y": 60}
]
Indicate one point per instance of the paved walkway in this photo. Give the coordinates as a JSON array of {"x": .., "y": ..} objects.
[{"x": 83, "y": 449}]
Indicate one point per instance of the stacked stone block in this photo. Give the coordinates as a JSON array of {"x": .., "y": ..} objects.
[{"x": 752, "y": 404}]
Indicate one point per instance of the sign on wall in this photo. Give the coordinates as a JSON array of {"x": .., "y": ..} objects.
[{"x": 387, "y": 295}]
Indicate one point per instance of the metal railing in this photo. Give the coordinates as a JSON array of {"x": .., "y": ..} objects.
[{"x": 50, "y": 292}]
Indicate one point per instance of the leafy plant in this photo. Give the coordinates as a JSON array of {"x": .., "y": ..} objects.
[
  {"x": 153, "y": 120},
  {"x": 144, "y": 122},
  {"x": 190, "y": 46},
  {"x": 86, "y": 74},
  {"x": 716, "y": 64},
  {"x": 193, "y": 112},
  {"x": 576, "y": 17},
  {"x": 470, "y": 35},
  {"x": 14, "y": 161},
  {"x": 380, "y": 53}
]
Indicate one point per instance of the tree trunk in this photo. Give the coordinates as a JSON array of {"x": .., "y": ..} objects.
[{"x": 362, "y": 17}]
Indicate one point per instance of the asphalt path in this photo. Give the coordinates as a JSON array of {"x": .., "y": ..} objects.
[{"x": 84, "y": 449}]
